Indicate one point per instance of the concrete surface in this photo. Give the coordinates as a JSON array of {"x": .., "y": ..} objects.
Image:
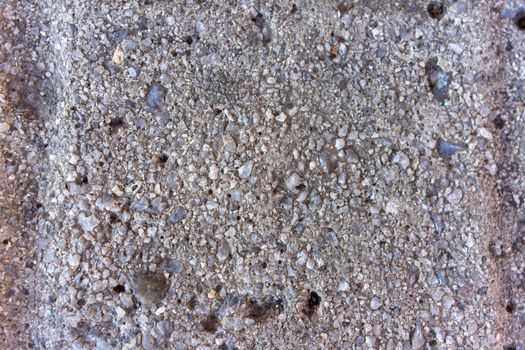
[{"x": 262, "y": 175}]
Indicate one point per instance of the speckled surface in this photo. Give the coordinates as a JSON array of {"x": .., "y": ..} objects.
[{"x": 262, "y": 175}]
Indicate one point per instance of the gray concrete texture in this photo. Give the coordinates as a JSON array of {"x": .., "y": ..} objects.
[{"x": 262, "y": 174}]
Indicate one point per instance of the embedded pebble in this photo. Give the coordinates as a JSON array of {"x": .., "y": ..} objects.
[
  {"x": 156, "y": 96},
  {"x": 339, "y": 144},
  {"x": 133, "y": 72},
  {"x": 447, "y": 149},
  {"x": 245, "y": 170},
  {"x": 213, "y": 173},
  {"x": 417, "y": 339},
  {"x": 118, "y": 56},
  {"x": 402, "y": 159},
  {"x": 455, "y": 196},
  {"x": 343, "y": 286},
  {"x": 173, "y": 266},
  {"x": 375, "y": 303},
  {"x": 224, "y": 251},
  {"x": 189, "y": 175},
  {"x": 162, "y": 118},
  {"x": 88, "y": 223},
  {"x": 281, "y": 118},
  {"x": 4, "y": 127},
  {"x": 438, "y": 80},
  {"x": 147, "y": 341},
  {"x": 292, "y": 182},
  {"x": 73, "y": 260},
  {"x": 100, "y": 285},
  {"x": 178, "y": 215},
  {"x": 165, "y": 328},
  {"x": 149, "y": 288}
]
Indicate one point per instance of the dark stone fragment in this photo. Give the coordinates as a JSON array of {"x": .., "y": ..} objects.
[{"x": 438, "y": 80}]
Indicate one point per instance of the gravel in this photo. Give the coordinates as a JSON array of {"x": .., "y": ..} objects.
[
  {"x": 149, "y": 288},
  {"x": 417, "y": 340},
  {"x": 375, "y": 303},
  {"x": 178, "y": 215},
  {"x": 156, "y": 96},
  {"x": 447, "y": 149},
  {"x": 245, "y": 170},
  {"x": 262, "y": 175},
  {"x": 438, "y": 80}
]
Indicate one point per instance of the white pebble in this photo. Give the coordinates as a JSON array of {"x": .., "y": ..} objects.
[
  {"x": 485, "y": 133},
  {"x": 339, "y": 144},
  {"x": 214, "y": 172},
  {"x": 292, "y": 182},
  {"x": 391, "y": 207},
  {"x": 448, "y": 301},
  {"x": 200, "y": 27},
  {"x": 4, "y": 127},
  {"x": 120, "y": 312},
  {"x": 170, "y": 20},
  {"x": 343, "y": 286},
  {"x": 118, "y": 56},
  {"x": 402, "y": 160},
  {"x": 230, "y": 232},
  {"x": 455, "y": 196},
  {"x": 245, "y": 170},
  {"x": 375, "y": 303},
  {"x": 456, "y": 48},
  {"x": 417, "y": 338},
  {"x": 88, "y": 223},
  {"x": 281, "y": 117},
  {"x": 73, "y": 260},
  {"x": 100, "y": 285},
  {"x": 224, "y": 251}
]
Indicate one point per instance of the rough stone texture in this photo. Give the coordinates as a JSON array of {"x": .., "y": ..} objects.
[{"x": 262, "y": 175}]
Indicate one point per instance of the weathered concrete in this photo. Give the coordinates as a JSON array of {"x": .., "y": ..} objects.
[{"x": 262, "y": 175}]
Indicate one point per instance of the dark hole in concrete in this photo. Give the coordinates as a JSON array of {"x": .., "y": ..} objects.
[
  {"x": 82, "y": 180},
  {"x": 314, "y": 300},
  {"x": 436, "y": 9},
  {"x": 116, "y": 123},
  {"x": 345, "y": 6},
  {"x": 499, "y": 122},
  {"x": 511, "y": 307},
  {"x": 163, "y": 158},
  {"x": 5, "y": 241},
  {"x": 262, "y": 310},
  {"x": 300, "y": 187},
  {"x": 192, "y": 303},
  {"x": 258, "y": 20},
  {"x": 211, "y": 323},
  {"x": 113, "y": 218},
  {"x": 119, "y": 288},
  {"x": 188, "y": 40},
  {"x": 519, "y": 19}
]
